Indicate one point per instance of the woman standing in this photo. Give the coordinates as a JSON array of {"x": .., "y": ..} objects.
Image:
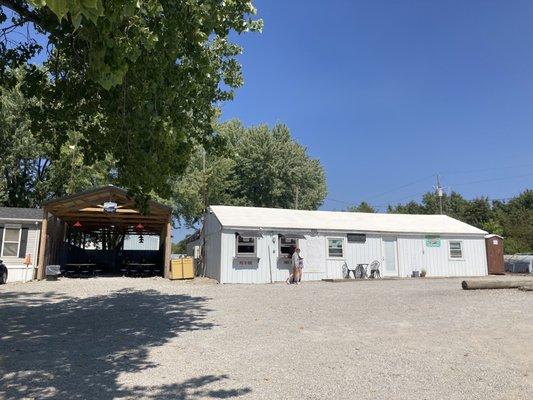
[
  {"x": 300, "y": 267},
  {"x": 297, "y": 264}
]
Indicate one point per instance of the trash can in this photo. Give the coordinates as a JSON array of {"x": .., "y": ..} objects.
[
  {"x": 52, "y": 272},
  {"x": 182, "y": 268}
]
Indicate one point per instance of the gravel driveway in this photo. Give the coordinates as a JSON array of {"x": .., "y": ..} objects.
[{"x": 109, "y": 338}]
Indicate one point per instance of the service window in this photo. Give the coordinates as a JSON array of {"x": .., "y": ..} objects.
[
  {"x": 246, "y": 245},
  {"x": 10, "y": 247},
  {"x": 286, "y": 246},
  {"x": 335, "y": 247},
  {"x": 456, "y": 250}
]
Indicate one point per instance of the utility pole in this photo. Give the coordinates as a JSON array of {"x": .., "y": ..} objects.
[
  {"x": 204, "y": 224},
  {"x": 439, "y": 192},
  {"x": 206, "y": 200}
]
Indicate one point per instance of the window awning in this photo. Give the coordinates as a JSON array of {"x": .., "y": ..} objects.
[
  {"x": 292, "y": 235},
  {"x": 255, "y": 234}
]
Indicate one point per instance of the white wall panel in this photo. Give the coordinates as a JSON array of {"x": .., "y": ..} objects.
[
  {"x": 17, "y": 270},
  {"x": 414, "y": 254}
]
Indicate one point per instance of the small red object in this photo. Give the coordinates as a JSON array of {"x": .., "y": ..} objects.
[
  {"x": 139, "y": 227},
  {"x": 77, "y": 224}
]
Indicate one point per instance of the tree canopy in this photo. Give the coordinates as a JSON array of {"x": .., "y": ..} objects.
[
  {"x": 362, "y": 207},
  {"x": 28, "y": 176},
  {"x": 512, "y": 219},
  {"x": 137, "y": 81},
  {"x": 260, "y": 167}
]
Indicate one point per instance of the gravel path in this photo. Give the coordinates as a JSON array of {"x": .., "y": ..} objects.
[{"x": 109, "y": 338}]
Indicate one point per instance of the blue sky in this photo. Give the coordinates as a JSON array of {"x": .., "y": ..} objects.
[
  {"x": 385, "y": 93},
  {"x": 389, "y": 93}
]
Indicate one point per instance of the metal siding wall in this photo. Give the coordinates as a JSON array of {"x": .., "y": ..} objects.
[
  {"x": 364, "y": 253},
  {"x": 258, "y": 272},
  {"x": 17, "y": 270},
  {"x": 280, "y": 266},
  {"x": 354, "y": 253},
  {"x": 150, "y": 242},
  {"x": 413, "y": 253},
  {"x": 213, "y": 248},
  {"x": 314, "y": 253},
  {"x": 314, "y": 259}
]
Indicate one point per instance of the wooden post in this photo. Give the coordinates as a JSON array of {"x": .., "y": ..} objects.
[
  {"x": 168, "y": 248},
  {"x": 42, "y": 246},
  {"x": 495, "y": 284}
]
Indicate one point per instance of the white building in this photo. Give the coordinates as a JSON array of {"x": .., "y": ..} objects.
[
  {"x": 20, "y": 230},
  {"x": 250, "y": 244}
]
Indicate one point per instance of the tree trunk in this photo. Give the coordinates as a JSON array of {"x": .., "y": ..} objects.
[{"x": 485, "y": 284}]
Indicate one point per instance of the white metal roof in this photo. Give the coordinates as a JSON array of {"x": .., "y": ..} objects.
[{"x": 278, "y": 218}]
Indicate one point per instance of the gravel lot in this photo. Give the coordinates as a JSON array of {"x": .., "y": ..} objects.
[{"x": 108, "y": 338}]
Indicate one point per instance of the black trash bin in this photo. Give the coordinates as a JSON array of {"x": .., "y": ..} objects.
[{"x": 52, "y": 272}]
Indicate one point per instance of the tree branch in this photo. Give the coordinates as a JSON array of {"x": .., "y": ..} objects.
[{"x": 21, "y": 9}]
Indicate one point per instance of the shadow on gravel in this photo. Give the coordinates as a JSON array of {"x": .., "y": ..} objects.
[{"x": 58, "y": 347}]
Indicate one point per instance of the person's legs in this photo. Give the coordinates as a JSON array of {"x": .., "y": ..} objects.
[
  {"x": 295, "y": 274},
  {"x": 300, "y": 274},
  {"x": 290, "y": 278}
]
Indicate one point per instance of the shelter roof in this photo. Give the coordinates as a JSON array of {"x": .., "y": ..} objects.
[{"x": 87, "y": 208}]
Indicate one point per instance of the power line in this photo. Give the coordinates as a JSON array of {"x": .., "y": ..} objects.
[
  {"x": 352, "y": 203},
  {"x": 401, "y": 187},
  {"x": 487, "y": 169},
  {"x": 491, "y": 180}
]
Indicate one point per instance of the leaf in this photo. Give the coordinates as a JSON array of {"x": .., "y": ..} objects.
[
  {"x": 76, "y": 20},
  {"x": 58, "y": 7}
]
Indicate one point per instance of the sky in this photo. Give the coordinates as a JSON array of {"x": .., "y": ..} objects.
[{"x": 388, "y": 94}]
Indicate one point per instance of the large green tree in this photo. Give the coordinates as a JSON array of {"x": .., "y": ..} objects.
[
  {"x": 137, "y": 80},
  {"x": 512, "y": 219},
  {"x": 259, "y": 166},
  {"x": 28, "y": 176}
]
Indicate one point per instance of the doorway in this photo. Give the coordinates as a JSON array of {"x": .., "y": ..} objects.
[{"x": 390, "y": 256}]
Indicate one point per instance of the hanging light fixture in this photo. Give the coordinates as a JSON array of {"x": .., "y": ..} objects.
[{"x": 110, "y": 207}]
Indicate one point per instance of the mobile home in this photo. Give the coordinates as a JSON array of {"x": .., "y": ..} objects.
[
  {"x": 252, "y": 244},
  {"x": 20, "y": 230}
]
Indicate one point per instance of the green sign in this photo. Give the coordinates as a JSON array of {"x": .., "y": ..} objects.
[{"x": 432, "y": 241}]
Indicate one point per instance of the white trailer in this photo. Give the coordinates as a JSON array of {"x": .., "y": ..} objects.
[
  {"x": 251, "y": 244},
  {"x": 20, "y": 230}
]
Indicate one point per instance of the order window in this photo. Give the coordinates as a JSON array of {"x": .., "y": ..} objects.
[
  {"x": 245, "y": 245},
  {"x": 287, "y": 246}
]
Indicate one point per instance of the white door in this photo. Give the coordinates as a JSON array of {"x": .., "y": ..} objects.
[{"x": 390, "y": 258}]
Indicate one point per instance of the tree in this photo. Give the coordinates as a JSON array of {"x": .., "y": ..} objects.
[
  {"x": 512, "y": 220},
  {"x": 410, "y": 208},
  {"x": 28, "y": 175},
  {"x": 362, "y": 207},
  {"x": 516, "y": 218},
  {"x": 180, "y": 247},
  {"x": 258, "y": 166},
  {"x": 137, "y": 81}
]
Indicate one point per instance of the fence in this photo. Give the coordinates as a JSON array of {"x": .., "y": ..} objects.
[{"x": 519, "y": 263}]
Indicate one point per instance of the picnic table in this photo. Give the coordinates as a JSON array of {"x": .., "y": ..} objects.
[
  {"x": 138, "y": 268},
  {"x": 80, "y": 268}
]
